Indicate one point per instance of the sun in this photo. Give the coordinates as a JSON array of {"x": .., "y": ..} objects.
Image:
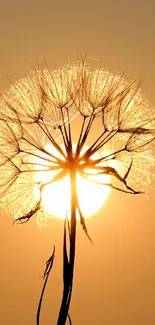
[
  {"x": 91, "y": 195},
  {"x": 56, "y": 197}
]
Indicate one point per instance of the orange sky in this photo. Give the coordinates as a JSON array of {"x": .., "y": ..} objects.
[{"x": 115, "y": 279}]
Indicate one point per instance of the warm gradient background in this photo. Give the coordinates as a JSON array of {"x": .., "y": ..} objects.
[{"x": 115, "y": 279}]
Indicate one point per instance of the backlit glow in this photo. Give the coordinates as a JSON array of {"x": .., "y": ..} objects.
[{"x": 56, "y": 196}]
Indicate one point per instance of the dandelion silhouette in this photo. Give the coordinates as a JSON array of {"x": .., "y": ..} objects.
[{"x": 37, "y": 111}]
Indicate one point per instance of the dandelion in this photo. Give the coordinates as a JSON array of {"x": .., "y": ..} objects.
[{"x": 36, "y": 116}]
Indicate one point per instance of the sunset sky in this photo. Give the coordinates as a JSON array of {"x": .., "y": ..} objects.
[{"x": 114, "y": 280}]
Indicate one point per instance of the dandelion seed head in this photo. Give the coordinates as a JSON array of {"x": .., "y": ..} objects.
[{"x": 37, "y": 111}]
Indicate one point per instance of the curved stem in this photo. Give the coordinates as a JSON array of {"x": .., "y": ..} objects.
[
  {"x": 49, "y": 265},
  {"x": 68, "y": 261}
]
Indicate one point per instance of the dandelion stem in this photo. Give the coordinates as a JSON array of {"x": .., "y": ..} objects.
[
  {"x": 64, "y": 126},
  {"x": 87, "y": 130},
  {"x": 63, "y": 137},
  {"x": 108, "y": 137},
  {"x": 49, "y": 136},
  {"x": 69, "y": 133},
  {"x": 69, "y": 262},
  {"x": 38, "y": 156},
  {"x": 80, "y": 136}
]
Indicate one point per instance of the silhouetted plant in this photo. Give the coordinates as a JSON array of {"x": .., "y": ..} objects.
[{"x": 37, "y": 111}]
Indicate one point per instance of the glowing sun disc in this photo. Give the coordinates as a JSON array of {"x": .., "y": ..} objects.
[
  {"x": 91, "y": 196},
  {"x": 56, "y": 197}
]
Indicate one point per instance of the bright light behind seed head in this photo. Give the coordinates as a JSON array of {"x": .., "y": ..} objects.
[{"x": 56, "y": 197}]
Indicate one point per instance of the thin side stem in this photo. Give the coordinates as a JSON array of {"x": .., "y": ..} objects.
[
  {"x": 80, "y": 136},
  {"x": 86, "y": 133},
  {"x": 49, "y": 265}
]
